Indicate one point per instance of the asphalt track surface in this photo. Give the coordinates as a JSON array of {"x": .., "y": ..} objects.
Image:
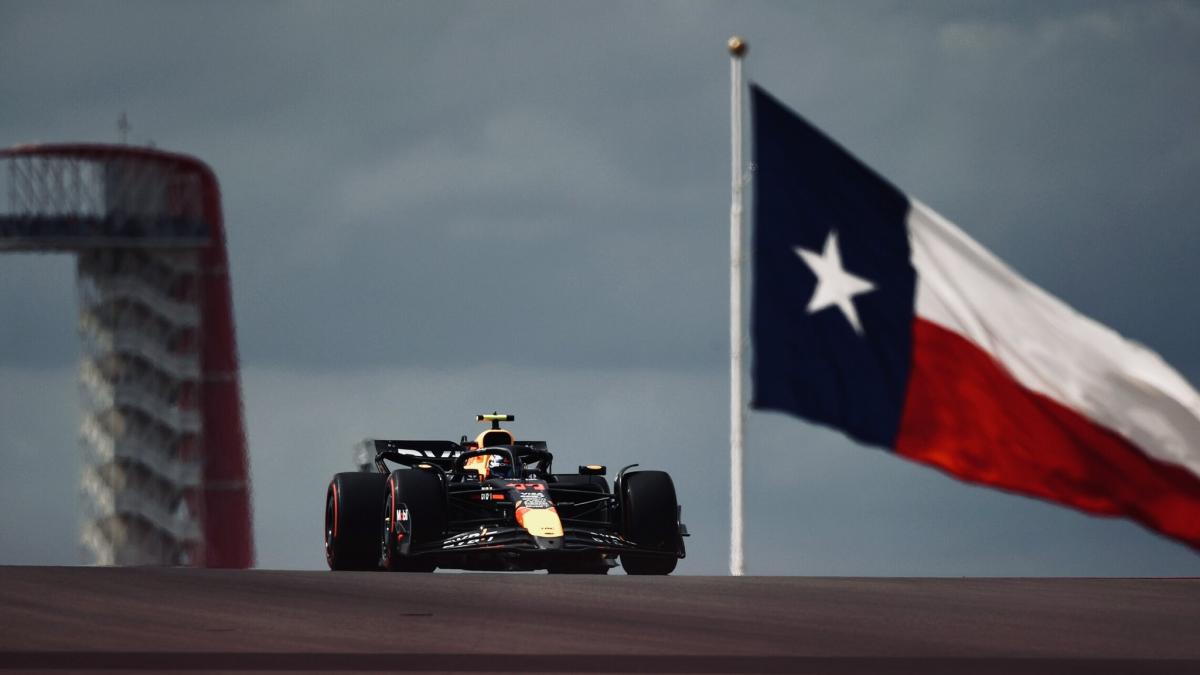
[{"x": 150, "y": 619}]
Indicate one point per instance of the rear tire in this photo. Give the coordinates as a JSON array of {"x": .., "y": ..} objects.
[
  {"x": 565, "y": 490},
  {"x": 650, "y": 515},
  {"x": 353, "y": 503},
  {"x": 422, "y": 494}
]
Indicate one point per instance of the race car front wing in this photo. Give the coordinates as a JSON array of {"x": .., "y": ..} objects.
[{"x": 517, "y": 539}]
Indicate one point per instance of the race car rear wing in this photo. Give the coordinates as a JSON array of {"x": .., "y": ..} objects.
[{"x": 370, "y": 454}]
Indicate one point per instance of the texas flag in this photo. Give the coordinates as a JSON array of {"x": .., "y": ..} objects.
[{"x": 875, "y": 315}]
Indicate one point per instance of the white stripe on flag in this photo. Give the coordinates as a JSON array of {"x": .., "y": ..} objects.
[{"x": 1049, "y": 347}]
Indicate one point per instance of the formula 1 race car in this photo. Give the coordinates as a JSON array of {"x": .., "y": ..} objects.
[{"x": 495, "y": 503}]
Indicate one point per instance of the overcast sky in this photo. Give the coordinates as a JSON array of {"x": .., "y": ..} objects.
[{"x": 437, "y": 209}]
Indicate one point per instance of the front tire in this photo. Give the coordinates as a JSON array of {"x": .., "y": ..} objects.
[
  {"x": 352, "y": 506},
  {"x": 650, "y": 515},
  {"x": 422, "y": 494}
]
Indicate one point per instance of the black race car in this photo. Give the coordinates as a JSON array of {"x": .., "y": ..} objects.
[{"x": 495, "y": 503}]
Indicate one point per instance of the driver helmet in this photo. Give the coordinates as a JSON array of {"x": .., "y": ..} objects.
[{"x": 500, "y": 466}]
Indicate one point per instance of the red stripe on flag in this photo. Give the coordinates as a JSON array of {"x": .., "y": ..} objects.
[{"x": 966, "y": 415}]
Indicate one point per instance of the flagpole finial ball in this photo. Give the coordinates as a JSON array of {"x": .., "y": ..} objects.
[{"x": 737, "y": 47}]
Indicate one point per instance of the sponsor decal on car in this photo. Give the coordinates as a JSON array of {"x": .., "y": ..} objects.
[
  {"x": 534, "y": 500},
  {"x": 610, "y": 539},
  {"x": 431, "y": 454},
  {"x": 473, "y": 538}
]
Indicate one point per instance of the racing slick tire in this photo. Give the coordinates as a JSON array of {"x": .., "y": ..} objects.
[
  {"x": 650, "y": 515},
  {"x": 423, "y": 496},
  {"x": 352, "y": 506}
]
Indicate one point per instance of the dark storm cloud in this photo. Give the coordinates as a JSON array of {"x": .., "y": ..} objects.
[
  {"x": 540, "y": 191},
  {"x": 402, "y": 174},
  {"x": 392, "y": 172}
]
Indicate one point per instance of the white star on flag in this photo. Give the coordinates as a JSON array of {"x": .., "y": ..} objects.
[{"x": 835, "y": 286}]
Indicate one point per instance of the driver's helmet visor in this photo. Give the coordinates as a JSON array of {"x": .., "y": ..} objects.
[{"x": 500, "y": 466}]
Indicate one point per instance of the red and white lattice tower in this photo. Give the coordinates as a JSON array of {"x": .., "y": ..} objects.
[{"x": 165, "y": 478}]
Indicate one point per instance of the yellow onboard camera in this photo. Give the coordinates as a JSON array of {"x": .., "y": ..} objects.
[{"x": 495, "y": 418}]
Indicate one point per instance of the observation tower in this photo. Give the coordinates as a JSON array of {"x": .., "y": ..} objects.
[{"x": 165, "y": 479}]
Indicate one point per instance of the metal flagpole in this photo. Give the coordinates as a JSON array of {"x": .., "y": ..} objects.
[{"x": 737, "y": 49}]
